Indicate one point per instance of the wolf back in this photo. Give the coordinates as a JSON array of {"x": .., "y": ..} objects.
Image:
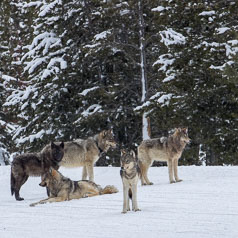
[{"x": 85, "y": 153}]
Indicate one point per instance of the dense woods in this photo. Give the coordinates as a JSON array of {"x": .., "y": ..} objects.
[{"x": 69, "y": 69}]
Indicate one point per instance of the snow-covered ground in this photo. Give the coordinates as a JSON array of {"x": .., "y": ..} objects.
[{"x": 205, "y": 204}]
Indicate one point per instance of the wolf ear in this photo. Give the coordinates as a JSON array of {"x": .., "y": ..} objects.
[
  {"x": 123, "y": 152},
  {"x": 53, "y": 172},
  {"x": 104, "y": 133},
  {"x": 62, "y": 145},
  {"x": 132, "y": 152},
  {"x": 185, "y": 130},
  {"x": 52, "y": 145}
]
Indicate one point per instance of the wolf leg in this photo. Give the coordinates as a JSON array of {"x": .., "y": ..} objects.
[
  {"x": 19, "y": 182},
  {"x": 146, "y": 177},
  {"x": 134, "y": 198},
  {"x": 170, "y": 168},
  {"x": 92, "y": 193},
  {"x": 176, "y": 171},
  {"x": 146, "y": 168},
  {"x": 52, "y": 199},
  {"x": 17, "y": 195},
  {"x": 128, "y": 203},
  {"x": 90, "y": 172},
  {"x": 126, "y": 206},
  {"x": 144, "y": 171},
  {"x": 142, "y": 178},
  {"x": 85, "y": 173}
]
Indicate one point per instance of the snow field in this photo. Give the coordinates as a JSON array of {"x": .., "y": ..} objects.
[{"x": 205, "y": 204}]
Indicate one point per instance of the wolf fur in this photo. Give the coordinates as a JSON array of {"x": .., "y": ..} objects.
[
  {"x": 33, "y": 164},
  {"x": 167, "y": 149},
  {"x": 64, "y": 189},
  {"x": 85, "y": 153},
  {"x": 130, "y": 174}
]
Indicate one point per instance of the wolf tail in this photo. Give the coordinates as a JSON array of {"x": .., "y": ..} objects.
[
  {"x": 109, "y": 189},
  {"x": 13, "y": 181}
]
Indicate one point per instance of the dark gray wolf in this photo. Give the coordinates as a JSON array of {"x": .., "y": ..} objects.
[
  {"x": 130, "y": 174},
  {"x": 167, "y": 149},
  {"x": 34, "y": 164},
  {"x": 63, "y": 189},
  {"x": 85, "y": 153}
]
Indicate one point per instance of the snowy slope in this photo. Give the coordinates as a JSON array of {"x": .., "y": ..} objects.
[{"x": 205, "y": 204}]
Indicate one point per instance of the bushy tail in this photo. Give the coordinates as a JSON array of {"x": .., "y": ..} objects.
[
  {"x": 13, "y": 181},
  {"x": 109, "y": 189}
]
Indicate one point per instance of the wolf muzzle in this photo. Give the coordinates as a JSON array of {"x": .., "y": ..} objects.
[{"x": 43, "y": 184}]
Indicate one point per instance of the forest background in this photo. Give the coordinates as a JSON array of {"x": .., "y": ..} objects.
[{"x": 70, "y": 68}]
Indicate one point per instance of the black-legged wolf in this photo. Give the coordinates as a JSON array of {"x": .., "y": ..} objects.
[
  {"x": 130, "y": 174},
  {"x": 167, "y": 149},
  {"x": 62, "y": 189},
  {"x": 34, "y": 164},
  {"x": 85, "y": 153}
]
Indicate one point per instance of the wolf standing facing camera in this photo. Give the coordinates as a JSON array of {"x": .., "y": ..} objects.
[
  {"x": 130, "y": 174},
  {"x": 34, "y": 164},
  {"x": 167, "y": 149}
]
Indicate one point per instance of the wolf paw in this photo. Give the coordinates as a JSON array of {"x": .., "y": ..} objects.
[
  {"x": 19, "y": 199},
  {"x": 144, "y": 184},
  {"x": 137, "y": 210},
  {"x": 179, "y": 180},
  {"x": 172, "y": 181},
  {"x": 124, "y": 212}
]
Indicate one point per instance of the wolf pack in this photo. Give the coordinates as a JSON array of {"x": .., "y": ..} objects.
[{"x": 85, "y": 153}]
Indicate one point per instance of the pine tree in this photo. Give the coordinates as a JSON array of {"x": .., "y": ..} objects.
[
  {"x": 84, "y": 72},
  {"x": 191, "y": 77}
]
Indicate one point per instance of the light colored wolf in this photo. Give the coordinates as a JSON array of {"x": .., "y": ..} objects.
[
  {"x": 63, "y": 189},
  {"x": 130, "y": 174},
  {"x": 85, "y": 153},
  {"x": 167, "y": 149}
]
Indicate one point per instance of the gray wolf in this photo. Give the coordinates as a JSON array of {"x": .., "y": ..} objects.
[
  {"x": 167, "y": 149},
  {"x": 130, "y": 174},
  {"x": 64, "y": 189},
  {"x": 85, "y": 153},
  {"x": 34, "y": 164}
]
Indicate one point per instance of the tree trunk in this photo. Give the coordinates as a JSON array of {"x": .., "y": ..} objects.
[{"x": 146, "y": 132}]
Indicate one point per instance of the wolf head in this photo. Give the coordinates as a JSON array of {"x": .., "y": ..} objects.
[
  {"x": 57, "y": 151},
  {"x": 182, "y": 135},
  {"x": 107, "y": 140},
  {"x": 51, "y": 176},
  {"x": 128, "y": 160}
]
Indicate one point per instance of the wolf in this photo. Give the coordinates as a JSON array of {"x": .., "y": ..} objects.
[
  {"x": 34, "y": 164},
  {"x": 130, "y": 174},
  {"x": 64, "y": 189},
  {"x": 167, "y": 149},
  {"x": 85, "y": 153}
]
